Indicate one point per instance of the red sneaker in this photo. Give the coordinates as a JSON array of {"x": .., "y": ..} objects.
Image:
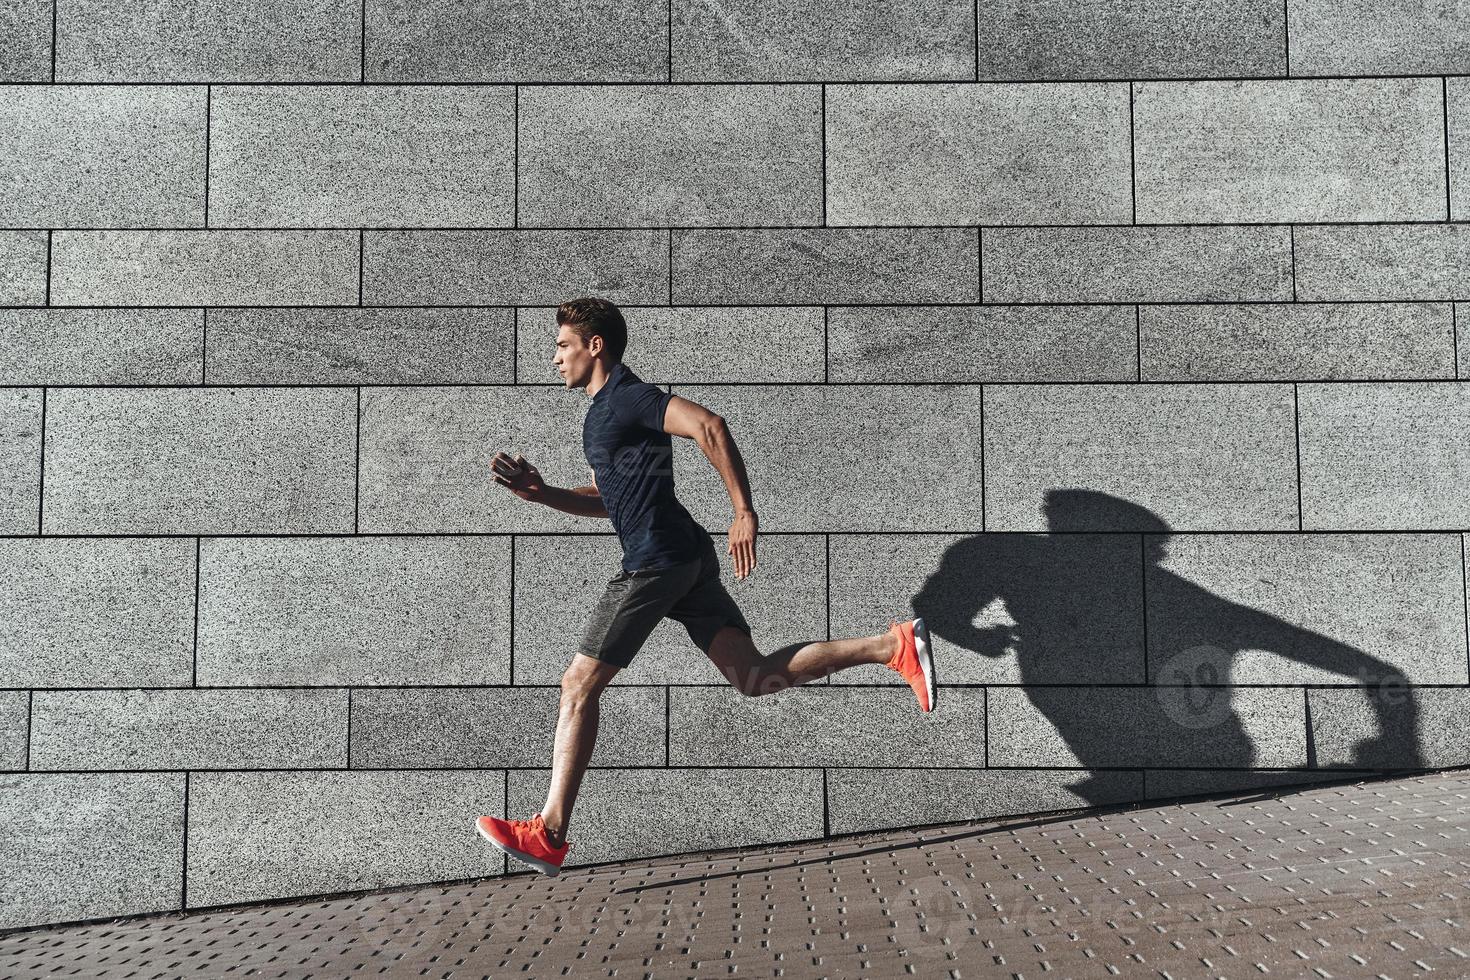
[
  {"x": 524, "y": 840},
  {"x": 914, "y": 660}
]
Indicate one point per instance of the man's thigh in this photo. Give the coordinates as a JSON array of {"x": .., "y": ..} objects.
[{"x": 630, "y": 607}]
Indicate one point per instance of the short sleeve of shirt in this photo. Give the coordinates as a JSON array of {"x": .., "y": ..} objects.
[{"x": 644, "y": 403}]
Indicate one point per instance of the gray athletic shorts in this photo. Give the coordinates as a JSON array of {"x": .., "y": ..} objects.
[{"x": 634, "y": 602}]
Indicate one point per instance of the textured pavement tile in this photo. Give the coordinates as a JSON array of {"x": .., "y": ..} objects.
[
  {"x": 1193, "y": 725},
  {"x": 25, "y": 41},
  {"x": 1290, "y": 341},
  {"x": 1383, "y": 262},
  {"x": 361, "y": 346},
  {"x": 850, "y": 40},
  {"x": 424, "y": 458},
  {"x": 189, "y": 729},
  {"x": 85, "y": 845},
  {"x": 1378, "y": 37},
  {"x": 15, "y": 714},
  {"x": 1192, "y": 457},
  {"x": 1385, "y": 456},
  {"x": 348, "y": 156},
  {"x": 1043, "y": 39},
  {"x": 878, "y": 799},
  {"x": 825, "y": 726},
  {"x": 1321, "y": 150},
  {"x": 354, "y": 610},
  {"x": 826, "y": 265},
  {"x": 128, "y": 602},
  {"x": 1135, "y": 265},
  {"x": 20, "y": 460},
  {"x": 964, "y": 153},
  {"x": 195, "y": 460},
  {"x": 866, "y": 448},
  {"x": 537, "y": 41},
  {"x": 695, "y": 344},
  {"x": 118, "y": 157},
  {"x": 646, "y": 812},
  {"x": 204, "y": 268},
  {"x": 967, "y": 343},
  {"x": 222, "y": 41},
  {"x": 559, "y": 579},
  {"x": 1307, "y": 609},
  {"x": 509, "y": 267},
  {"x": 22, "y": 268},
  {"x": 255, "y": 836},
  {"x": 478, "y": 728},
  {"x": 100, "y": 347},
  {"x": 639, "y": 155},
  {"x": 1001, "y": 608},
  {"x": 1395, "y": 726}
]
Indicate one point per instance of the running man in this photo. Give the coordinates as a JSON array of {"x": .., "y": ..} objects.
[{"x": 669, "y": 567}]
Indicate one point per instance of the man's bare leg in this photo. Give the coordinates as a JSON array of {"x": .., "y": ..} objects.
[
  {"x": 576, "y": 734},
  {"x": 736, "y": 657}
]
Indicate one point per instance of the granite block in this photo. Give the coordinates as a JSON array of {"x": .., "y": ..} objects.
[
  {"x": 537, "y": 41},
  {"x": 194, "y": 460},
  {"x": 25, "y": 41},
  {"x": 865, "y": 448},
  {"x": 851, "y": 40},
  {"x": 189, "y": 729},
  {"x": 1385, "y": 456},
  {"x": 931, "y": 154},
  {"x": 1378, "y": 37},
  {"x": 118, "y": 157},
  {"x": 23, "y": 268},
  {"x": 1393, "y": 727},
  {"x": 408, "y": 268},
  {"x": 361, "y": 346},
  {"x": 1363, "y": 149},
  {"x": 1382, "y": 262},
  {"x": 77, "y": 846},
  {"x": 259, "y": 836},
  {"x": 1196, "y": 726},
  {"x": 481, "y": 728},
  {"x": 941, "y": 344},
  {"x": 1136, "y": 264},
  {"x": 354, "y": 610},
  {"x": 20, "y": 460},
  {"x": 1192, "y": 457},
  {"x": 1000, "y": 608},
  {"x": 101, "y": 347},
  {"x": 205, "y": 268},
  {"x": 825, "y": 265},
  {"x": 219, "y": 41},
  {"x": 1306, "y": 609},
  {"x": 831, "y": 726},
  {"x": 1296, "y": 341},
  {"x": 128, "y": 602},
  {"x": 657, "y": 155},
  {"x": 334, "y": 156}
]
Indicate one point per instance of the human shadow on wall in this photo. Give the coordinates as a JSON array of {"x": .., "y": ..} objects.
[{"x": 1069, "y": 608}]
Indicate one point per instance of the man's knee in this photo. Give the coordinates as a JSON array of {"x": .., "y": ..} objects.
[{"x": 586, "y": 677}]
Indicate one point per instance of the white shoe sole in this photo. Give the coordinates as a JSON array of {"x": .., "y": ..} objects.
[
  {"x": 535, "y": 862},
  {"x": 926, "y": 658}
]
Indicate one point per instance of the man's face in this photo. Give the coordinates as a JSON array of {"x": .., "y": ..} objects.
[{"x": 574, "y": 359}]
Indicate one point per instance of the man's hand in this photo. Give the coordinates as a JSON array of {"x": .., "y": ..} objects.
[
  {"x": 523, "y": 479},
  {"x": 742, "y": 542}
]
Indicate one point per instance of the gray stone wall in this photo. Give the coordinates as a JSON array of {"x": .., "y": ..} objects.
[{"x": 1118, "y": 340}]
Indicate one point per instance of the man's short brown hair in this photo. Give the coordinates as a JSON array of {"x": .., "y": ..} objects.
[{"x": 589, "y": 315}]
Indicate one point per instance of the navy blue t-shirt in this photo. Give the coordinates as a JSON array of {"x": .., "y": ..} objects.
[{"x": 633, "y": 458}]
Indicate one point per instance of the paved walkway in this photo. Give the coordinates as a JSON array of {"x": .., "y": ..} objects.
[{"x": 1347, "y": 880}]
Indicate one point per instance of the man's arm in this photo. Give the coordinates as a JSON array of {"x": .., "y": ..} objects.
[
  {"x": 693, "y": 421},
  {"x": 582, "y": 501}
]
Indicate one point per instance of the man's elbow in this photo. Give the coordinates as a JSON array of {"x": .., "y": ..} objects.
[{"x": 712, "y": 431}]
